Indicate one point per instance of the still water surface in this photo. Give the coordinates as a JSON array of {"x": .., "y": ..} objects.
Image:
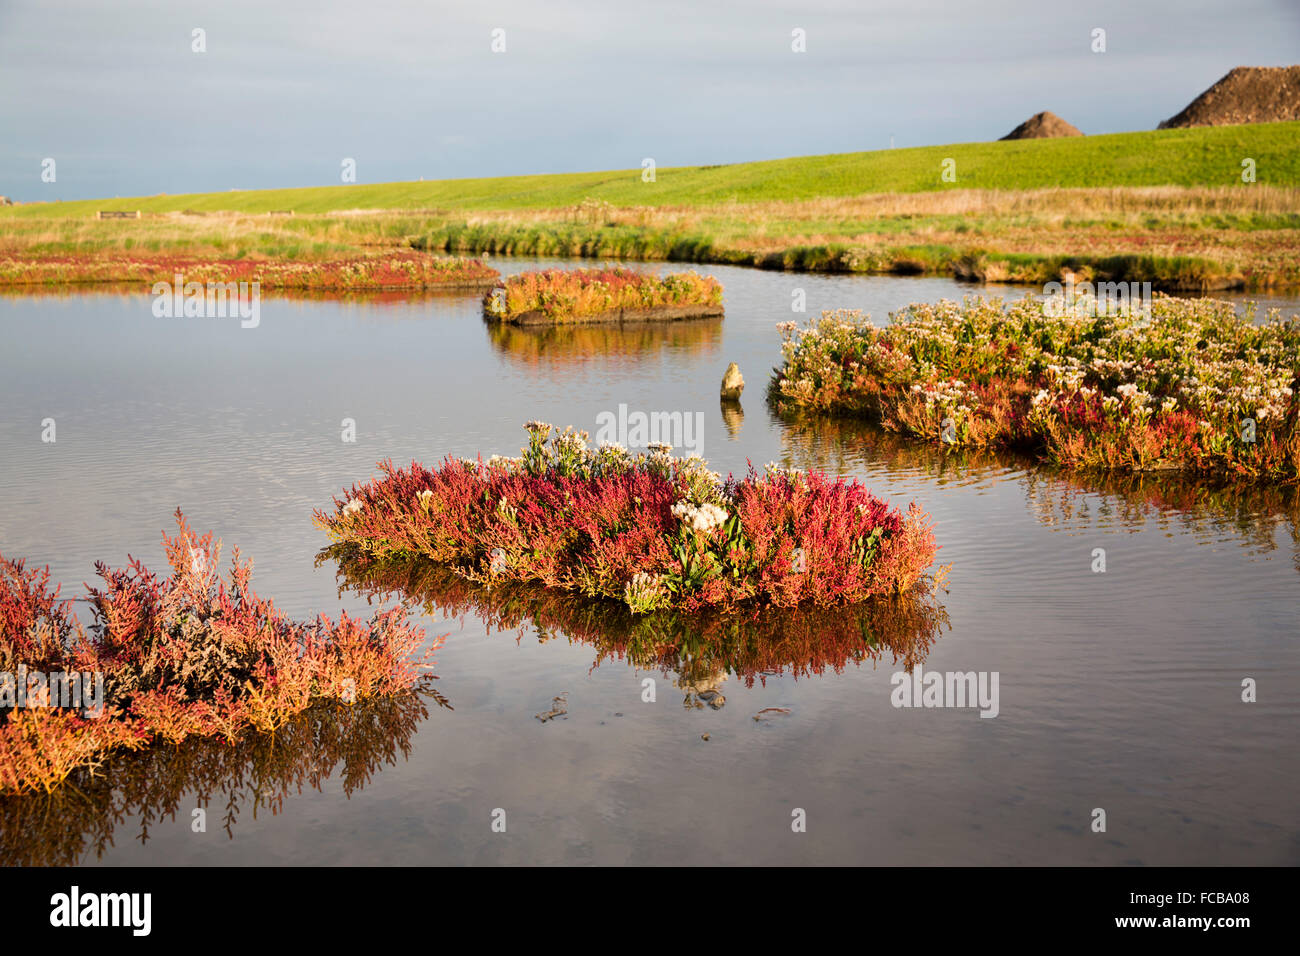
[{"x": 1118, "y": 690}]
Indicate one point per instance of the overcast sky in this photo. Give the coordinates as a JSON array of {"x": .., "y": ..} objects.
[{"x": 112, "y": 90}]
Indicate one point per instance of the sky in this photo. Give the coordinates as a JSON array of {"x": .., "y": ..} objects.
[{"x": 285, "y": 91}]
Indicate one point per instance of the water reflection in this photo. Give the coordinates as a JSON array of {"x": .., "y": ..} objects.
[
  {"x": 840, "y": 446},
  {"x": 259, "y": 773},
  {"x": 563, "y": 346},
  {"x": 733, "y": 416},
  {"x": 699, "y": 651},
  {"x": 1259, "y": 517}
]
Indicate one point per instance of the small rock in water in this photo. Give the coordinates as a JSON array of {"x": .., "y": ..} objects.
[
  {"x": 717, "y": 702},
  {"x": 559, "y": 708},
  {"x": 704, "y": 736},
  {"x": 732, "y": 383}
]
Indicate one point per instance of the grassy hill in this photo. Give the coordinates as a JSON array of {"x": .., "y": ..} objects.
[{"x": 1203, "y": 156}]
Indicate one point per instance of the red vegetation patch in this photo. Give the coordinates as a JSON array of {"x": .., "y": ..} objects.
[
  {"x": 190, "y": 654},
  {"x": 648, "y": 530},
  {"x": 405, "y": 270}
]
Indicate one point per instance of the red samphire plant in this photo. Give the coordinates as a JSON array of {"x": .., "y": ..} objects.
[
  {"x": 648, "y": 529},
  {"x": 167, "y": 658}
]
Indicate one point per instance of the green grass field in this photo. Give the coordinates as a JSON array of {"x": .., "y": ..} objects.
[
  {"x": 1207, "y": 156},
  {"x": 1166, "y": 206}
]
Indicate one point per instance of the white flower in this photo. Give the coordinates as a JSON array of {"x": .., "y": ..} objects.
[
  {"x": 353, "y": 506},
  {"x": 574, "y": 441},
  {"x": 703, "y": 517}
]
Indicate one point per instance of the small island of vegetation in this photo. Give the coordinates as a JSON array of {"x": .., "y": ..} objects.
[
  {"x": 167, "y": 659},
  {"x": 1192, "y": 386},
  {"x": 563, "y": 296},
  {"x": 649, "y": 530}
]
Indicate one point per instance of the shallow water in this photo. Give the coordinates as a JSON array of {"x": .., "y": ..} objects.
[{"x": 1118, "y": 690}]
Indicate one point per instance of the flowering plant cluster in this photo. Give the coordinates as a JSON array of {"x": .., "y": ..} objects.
[
  {"x": 404, "y": 270},
  {"x": 568, "y": 294},
  {"x": 649, "y": 530},
  {"x": 1193, "y": 386},
  {"x": 191, "y": 654}
]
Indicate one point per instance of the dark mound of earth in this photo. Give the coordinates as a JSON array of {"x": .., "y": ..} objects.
[
  {"x": 1248, "y": 94},
  {"x": 1043, "y": 125}
]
